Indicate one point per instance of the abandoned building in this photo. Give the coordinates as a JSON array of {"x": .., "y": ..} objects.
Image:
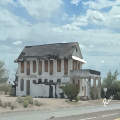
[{"x": 42, "y": 69}]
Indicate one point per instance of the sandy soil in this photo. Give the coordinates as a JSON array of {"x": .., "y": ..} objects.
[{"x": 47, "y": 104}]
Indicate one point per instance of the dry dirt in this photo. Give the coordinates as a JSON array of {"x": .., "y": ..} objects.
[{"x": 47, "y": 104}]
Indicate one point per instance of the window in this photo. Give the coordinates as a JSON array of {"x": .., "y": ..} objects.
[
  {"x": 34, "y": 66},
  {"x": 51, "y": 81},
  {"x": 22, "y": 85},
  {"x": 51, "y": 67},
  {"x": 46, "y": 81},
  {"x": 74, "y": 65},
  {"x": 28, "y": 68},
  {"x": 40, "y": 67},
  {"x": 74, "y": 82},
  {"x": 34, "y": 81},
  {"x": 58, "y": 81},
  {"x": 65, "y": 66},
  {"x": 79, "y": 83},
  {"x": 22, "y": 67},
  {"x": 39, "y": 81},
  {"x": 58, "y": 65},
  {"x": 46, "y": 66}
]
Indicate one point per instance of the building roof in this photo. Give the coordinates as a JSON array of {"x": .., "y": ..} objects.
[{"x": 59, "y": 50}]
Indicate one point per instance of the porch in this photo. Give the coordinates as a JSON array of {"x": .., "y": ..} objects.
[{"x": 89, "y": 82}]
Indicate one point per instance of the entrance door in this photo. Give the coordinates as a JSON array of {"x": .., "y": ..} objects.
[
  {"x": 51, "y": 91},
  {"x": 28, "y": 87}
]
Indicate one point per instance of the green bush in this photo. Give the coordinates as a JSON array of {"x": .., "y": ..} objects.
[
  {"x": 37, "y": 103},
  {"x": 29, "y": 99},
  {"x": 19, "y": 99},
  {"x": 25, "y": 103},
  {"x": 71, "y": 91}
]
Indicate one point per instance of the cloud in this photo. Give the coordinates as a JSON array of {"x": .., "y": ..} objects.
[
  {"x": 75, "y": 2},
  {"x": 99, "y": 4},
  {"x": 17, "y": 42},
  {"x": 41, "y": 8}
]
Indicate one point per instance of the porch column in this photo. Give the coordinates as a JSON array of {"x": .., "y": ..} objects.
[{"x": 99, "y": 87}]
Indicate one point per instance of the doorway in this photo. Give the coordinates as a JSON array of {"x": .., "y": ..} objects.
[
  {"x": 28, "y": 87},
  {"x": 51, "y": 91}
]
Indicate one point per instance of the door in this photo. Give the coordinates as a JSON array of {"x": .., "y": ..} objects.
[
  {"x": 28, "y": 87},
  {"x": 51, "y": 91}
]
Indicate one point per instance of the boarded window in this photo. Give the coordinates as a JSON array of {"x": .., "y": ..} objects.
[
  {"x": 65, "y": 66},
  {"x": 51, "y": 67},
  {"x": 22, "y": 85},
  {"x": 74, "y": 65},
  {"x": 46, "y": 66},
  {"x": 58, "y": 65},
  {"x": 28, "y": 68},
  {"x": 22, "y": 67},
  {"x": 40, "y": 67},
  {"x": 34, "y": 66}
]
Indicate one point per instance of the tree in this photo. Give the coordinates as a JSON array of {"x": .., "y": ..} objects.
[
  {"x": 3, "y": 73},
  {"x": 112, "y": 84},
  {"x": 71, "y": 91}
]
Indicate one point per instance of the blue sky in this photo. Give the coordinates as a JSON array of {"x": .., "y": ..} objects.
[{"x": 95, "y": 24}]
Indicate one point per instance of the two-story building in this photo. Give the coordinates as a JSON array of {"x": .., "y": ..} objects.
[{"x": 42, "y": 69}]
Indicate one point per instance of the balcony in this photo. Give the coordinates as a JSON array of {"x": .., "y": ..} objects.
[{"x": 84, "y": 73}]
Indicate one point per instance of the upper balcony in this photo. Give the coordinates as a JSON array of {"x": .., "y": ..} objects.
[{"x": 84, "y": 73}]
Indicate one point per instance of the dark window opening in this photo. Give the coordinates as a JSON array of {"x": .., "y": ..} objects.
[
  {"x": 46, "y": 81},
  {"x": 65, "y": 66},
  {"x": 22, "y": 85},
  {"x": 39, "y": 81},
  {"x": 40, "y": 67},
  {"x": 34, "y": 81},
  {"x": 51, "y": 67},
  {"x": 28, "y": 68},
  {"x": 59, "y": 81}
]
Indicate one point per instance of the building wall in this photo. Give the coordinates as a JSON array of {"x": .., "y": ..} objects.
[{"x": 41, "y": 89}]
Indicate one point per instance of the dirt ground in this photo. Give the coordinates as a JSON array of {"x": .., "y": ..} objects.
[{"x": 47, "y": 104}]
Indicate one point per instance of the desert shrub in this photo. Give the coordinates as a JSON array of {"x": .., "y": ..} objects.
[
  {"x": 12, "y": 107},
  {"x": 71, "y": 91},
  {"x": 9, "y": 104},
  {"x": 5, "y": 88},
  {"x": 25, "y": 103},
  {"x": 29, "y": 99},
  {"x": 4, "y": 105},
  {"x": 37, "y": 103},
  {"x": 19, "y": 99}
]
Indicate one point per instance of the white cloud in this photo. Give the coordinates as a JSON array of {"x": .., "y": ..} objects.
[
  {"x": 41, "y": 8},
  {"x": 99, "y": 4},
  {"x": 17, "y": 42},
  {"x": 75, "y": 2}
]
